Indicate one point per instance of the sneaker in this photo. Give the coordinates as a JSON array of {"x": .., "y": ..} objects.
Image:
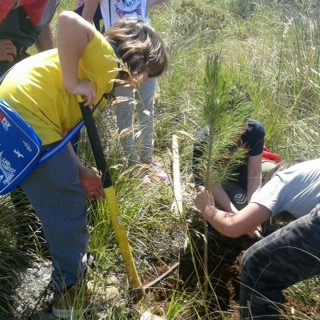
[
  {"x": 158, "y": 171},
  {"x": 74, "y": 302}
]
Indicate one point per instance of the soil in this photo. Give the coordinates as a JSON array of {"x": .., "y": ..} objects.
[
  {"x": 224, "y": 257},
  {"x": 224, "y": 265}
]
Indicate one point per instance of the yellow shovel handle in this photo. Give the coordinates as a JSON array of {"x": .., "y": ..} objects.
[{"x": 121, "y": 235}]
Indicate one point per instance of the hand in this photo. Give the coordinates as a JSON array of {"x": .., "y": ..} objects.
[
  {"x": 86, "y": 90},
  {"x": 92, "y": 184},
  {"x": 203, "y": 199},
  {"x": 8, "y": 51}
]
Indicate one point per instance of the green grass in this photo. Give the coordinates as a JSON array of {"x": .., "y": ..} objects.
[{"x": 273, "y": 48}]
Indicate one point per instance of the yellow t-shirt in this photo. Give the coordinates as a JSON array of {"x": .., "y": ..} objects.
[{"x": 34, "y": 88}]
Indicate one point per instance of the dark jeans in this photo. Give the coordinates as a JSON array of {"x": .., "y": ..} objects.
[
  {"x": 285, "y": 257},
  {"x": 56, "y": 194}
]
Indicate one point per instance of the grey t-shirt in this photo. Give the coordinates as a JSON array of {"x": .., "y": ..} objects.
[{"x": 296, "y": 190}]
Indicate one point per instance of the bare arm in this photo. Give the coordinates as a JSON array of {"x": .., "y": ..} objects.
[
  {"x": 223, "y": 199},
  {"x": 89, "y": 179},
  {"x": 74, "y": 34},
  {"x": 254, "y": 175},
  {"x": 230, "y": 224},
  {"x": 89, "y": 9},
  {"x": 45, "y": 39}
]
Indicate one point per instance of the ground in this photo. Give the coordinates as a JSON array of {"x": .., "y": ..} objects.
[{"x": 224, "y": 258}]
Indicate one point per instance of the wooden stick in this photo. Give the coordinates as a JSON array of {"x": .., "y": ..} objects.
[{"x": 160, "y": 278}]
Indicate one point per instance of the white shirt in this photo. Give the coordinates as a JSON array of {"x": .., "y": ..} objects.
[{"x": 113, "y": 10}]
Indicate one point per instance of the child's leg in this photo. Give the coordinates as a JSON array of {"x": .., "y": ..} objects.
[
  {"x": 237, "y": 195},
  {"x": 60, "y": 202},
  {"x": 287, "y": 256},
  {"x": 124, "y": 111},
  {"x": 145, "y": 117}
]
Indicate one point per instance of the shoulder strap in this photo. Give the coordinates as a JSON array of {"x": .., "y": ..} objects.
[{"x": 4, "y": 75}]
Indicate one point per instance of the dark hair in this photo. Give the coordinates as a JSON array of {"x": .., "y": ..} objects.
[{"x": 139, "y": 46}]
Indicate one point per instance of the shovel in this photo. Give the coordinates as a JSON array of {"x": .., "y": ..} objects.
[{"x": 109, "y": 191}]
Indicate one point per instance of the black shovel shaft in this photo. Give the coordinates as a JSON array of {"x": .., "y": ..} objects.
[{"x": 95, "y": 144}]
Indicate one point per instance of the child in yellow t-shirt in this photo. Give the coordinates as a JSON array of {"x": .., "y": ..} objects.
[{"x": 43, "y": 89}]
